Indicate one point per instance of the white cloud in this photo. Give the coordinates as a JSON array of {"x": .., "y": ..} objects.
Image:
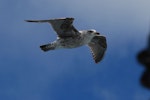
[
  {"x": 141, "y": 96},
  {"x": 108, "y": 95},
  {"x": 121, "y": 20},
  {"x": 104, "y": 93}
]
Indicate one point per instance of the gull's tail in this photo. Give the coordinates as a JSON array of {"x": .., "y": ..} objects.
[{"x": 48, "y": 47}]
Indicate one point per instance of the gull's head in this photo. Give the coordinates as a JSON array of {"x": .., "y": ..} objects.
[{"x": 93, "y": 32}]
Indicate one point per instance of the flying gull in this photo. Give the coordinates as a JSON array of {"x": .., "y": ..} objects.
[{"x": 69, "y": 37}]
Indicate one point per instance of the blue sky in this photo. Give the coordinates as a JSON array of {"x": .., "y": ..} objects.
[{"x": 27, "y": 73}]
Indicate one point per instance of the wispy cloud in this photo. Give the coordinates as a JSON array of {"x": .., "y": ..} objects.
[
  {"x": 141, "y": 96},
  {"x": 105, "y": 94}
]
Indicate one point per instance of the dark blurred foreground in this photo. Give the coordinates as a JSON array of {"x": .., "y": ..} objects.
[{"x": 144, "y": 58}]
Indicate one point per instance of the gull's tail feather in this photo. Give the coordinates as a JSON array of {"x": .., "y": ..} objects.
[{"x": 47, "y": 47}]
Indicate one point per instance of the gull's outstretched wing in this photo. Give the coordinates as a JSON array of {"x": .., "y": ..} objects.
[
  {"x": 98, "y": 47},
  {"x": 62, "y": 26}
]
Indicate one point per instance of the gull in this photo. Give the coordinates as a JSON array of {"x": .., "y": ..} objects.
[{"x": 69, "y": 37}]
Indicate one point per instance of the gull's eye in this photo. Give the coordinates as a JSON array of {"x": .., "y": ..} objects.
[{"x": 90, "y": 31}]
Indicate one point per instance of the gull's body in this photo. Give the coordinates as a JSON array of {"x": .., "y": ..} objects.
[
  {"x": 73, "y": 42},
  {"x": 69, "y": 37}
]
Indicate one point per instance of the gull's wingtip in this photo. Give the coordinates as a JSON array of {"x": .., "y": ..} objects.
[{"x": 29, "y": 21}]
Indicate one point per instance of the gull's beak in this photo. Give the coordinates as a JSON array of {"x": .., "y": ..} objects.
[{"x": 97, "y": 33}]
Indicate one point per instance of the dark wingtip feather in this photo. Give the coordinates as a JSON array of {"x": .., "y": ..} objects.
[
  {"x": 29, "y": 21},
  {"x": 97, "y": 61}
]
